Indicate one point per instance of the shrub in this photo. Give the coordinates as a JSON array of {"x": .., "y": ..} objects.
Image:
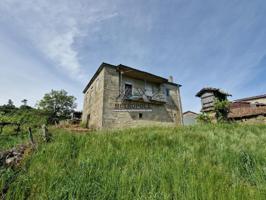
[
  {"x": 204, "y": 118},
  {"x": 221, "y": 108}
]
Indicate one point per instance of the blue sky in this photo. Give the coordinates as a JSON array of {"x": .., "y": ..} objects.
[{"x": 51, "y": 44}]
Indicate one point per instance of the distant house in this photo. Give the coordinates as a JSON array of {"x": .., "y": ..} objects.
[
  {"x": 249, "y": 109},
  {"x": 190, "y": 118},
  {"x": 121, "y": 96},
  {"x": 260, "y": 99}
]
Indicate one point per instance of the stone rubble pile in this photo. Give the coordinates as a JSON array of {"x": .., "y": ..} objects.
[{"x": 13, "y": 156}]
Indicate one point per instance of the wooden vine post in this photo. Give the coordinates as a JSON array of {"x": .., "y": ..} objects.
[
  {"x": 31, "y": 136},
  {"x": 45, "y": 133}
]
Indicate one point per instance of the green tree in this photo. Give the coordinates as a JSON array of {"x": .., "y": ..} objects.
[
  {"x": 24, "y": 105},
  {"x": 204, "y": 118},
  {"x": 8, "y": 108},
  {"x": 24, "y": 102},
  {"x": 221, "y": 108},
  {"x": 58, "y": 103},
  {"x": 10, "y": 103}
]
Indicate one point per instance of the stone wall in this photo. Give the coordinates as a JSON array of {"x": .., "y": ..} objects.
[
  {"x": 168, "y": 113},
  {"x": 261, "y": 119},
  {"x": 260, "y": 100},
  {"x": 93, "y": 103}
]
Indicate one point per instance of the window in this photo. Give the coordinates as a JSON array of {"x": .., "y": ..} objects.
[
  {"x": 128, "y": 90},
  {"x": 167, "y": 92},
  {"x": 148, "y": 90},
  {"x": 140, "y": 115}
]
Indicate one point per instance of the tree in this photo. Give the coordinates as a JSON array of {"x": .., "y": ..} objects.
[
  {"x": 25, "y": 102},
  {"x": 58, "y": 103},
  {"x": 221, "y": 108},
  {"x": 10, "y": 103},
  {"x": 8, "y": 108},
  {"x": 24, "y": 105},
  {"x": 204, "y": 118}
]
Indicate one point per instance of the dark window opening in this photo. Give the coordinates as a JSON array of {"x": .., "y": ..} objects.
[
  {"x": 167, "y": 92},
  {"x": 128, "y": 90},
  {"x": 140, "y": 115}
]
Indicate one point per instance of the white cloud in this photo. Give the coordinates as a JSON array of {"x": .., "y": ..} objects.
[{"x": 54, "y": 26}]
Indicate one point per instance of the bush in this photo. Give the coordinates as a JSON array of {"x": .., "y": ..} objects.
[
  {"x": 204, "y": 118},
  {"x": 221, "y": 108},
  {"x": 26, "y": 117}
]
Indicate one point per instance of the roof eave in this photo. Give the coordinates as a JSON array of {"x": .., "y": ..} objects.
[
  {"x": 117, "y": 67},
  {"x": 95, "y": 75}
]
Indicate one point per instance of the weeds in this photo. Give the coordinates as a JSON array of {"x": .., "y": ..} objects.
[{"x": 199, "y": 162}]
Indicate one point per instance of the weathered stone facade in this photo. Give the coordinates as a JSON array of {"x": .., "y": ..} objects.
[
  {"x": 102, "y": 97},
  {"x": 92, "y": 115}
]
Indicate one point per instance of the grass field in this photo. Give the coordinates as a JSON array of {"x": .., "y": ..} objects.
[
  {"x": 8, "y": 141},
  {"x": 201, "y": 162}
]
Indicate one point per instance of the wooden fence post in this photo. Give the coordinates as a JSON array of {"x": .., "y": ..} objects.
[
  {"x": 18, "y": 128},
  {"x": 31, "y": 136},
  {"x": 45, "y": 133}
]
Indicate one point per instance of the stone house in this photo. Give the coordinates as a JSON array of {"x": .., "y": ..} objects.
[
  {"x": 249, "y": 109},
  {"x": 121, "y": 96},
  {"x": 190, "y": 118},
  {"x": 260, "y": 99}
]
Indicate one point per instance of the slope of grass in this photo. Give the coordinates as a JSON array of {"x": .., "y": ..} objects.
[
  {"x": 9, "y": 141},
  {"x": 201, "y": 162}
]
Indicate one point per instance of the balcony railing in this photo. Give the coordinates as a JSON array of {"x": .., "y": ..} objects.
[{"x": 140, "y": 94}]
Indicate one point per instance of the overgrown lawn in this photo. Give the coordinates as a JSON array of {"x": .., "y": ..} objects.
[{"x": 200, "y": 162}]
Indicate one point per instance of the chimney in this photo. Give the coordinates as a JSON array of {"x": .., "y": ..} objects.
[{"x": 171, "y": 80}]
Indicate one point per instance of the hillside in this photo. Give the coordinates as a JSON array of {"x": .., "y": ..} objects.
[{"x": 201, "y": 162}]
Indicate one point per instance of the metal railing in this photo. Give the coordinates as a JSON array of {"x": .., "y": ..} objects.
[{"x": 141, "y": 94}]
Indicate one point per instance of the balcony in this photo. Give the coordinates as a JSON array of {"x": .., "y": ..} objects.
[{"x": 142, "y": 95}]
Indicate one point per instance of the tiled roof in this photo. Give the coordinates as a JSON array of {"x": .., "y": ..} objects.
[
  {"x": 246, "y": 112},
  {"x": 211, "y": 89},
  {"x": 252, "y": 98},
  {"x": 190, "y": 112}
]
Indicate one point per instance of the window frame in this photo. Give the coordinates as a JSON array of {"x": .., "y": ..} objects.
[{"x": 129, "y": 84}]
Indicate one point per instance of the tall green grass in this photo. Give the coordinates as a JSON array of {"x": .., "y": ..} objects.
[
  {"x": 200, "y": 162},
  {"x": 7, "y": 142}
]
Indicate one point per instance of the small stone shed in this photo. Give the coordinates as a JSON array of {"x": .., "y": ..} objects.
[
  {"x": 249, "y": 109},
  {"x": 208, "y": 96}
]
